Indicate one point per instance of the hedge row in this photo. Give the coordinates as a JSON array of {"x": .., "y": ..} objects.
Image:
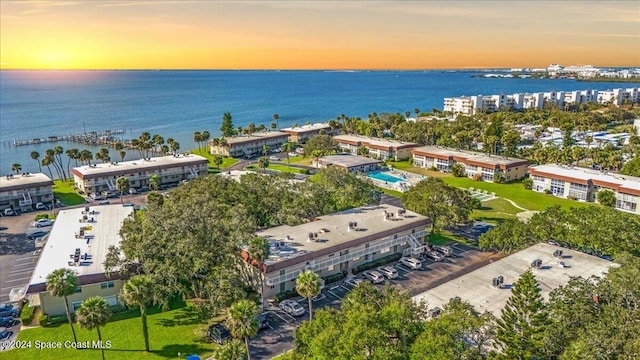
[
  {"x": 289, "y": 294},
  {"x": 27, "y": 314},
  {"x": 378, "y": 262},
  {"x": 335, "y": 277},
  {"x": 46, "y": 320}
]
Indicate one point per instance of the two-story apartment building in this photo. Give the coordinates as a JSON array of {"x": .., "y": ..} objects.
[
  {"x": 382, "y": 149},
  {"x": 79, "y": 240},
  {"x": 351, "y": 163},
  {"x": 23, "y": 191},
  {"x": 583, "y": 185},
  {"x": 474, "y": 163},
  {"x": 339, "y": 242},
  {"x": 172, "y": 169},
  {"x": 300, "y": 134},
  {"x": 247, "y": 146}
]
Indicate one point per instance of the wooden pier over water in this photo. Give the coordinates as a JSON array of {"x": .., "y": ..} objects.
[{"x": 105, "y": 137}]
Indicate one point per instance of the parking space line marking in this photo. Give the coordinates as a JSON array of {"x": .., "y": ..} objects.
[
  {"x": 20, "y": 271},
  {"x": 332, "y": 293},
  {"x": 24, "y": 259},
  {"x": 19, "y": 279}
]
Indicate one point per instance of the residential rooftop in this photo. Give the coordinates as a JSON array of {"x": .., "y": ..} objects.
[
  {"x": 467, "y": 156},
  {"x": 306, "y": 128},
  {"x": 584, "y": 175},
  {"x": 235, "y": 140},
  {"x": 476, "y": 287},
  {"x": 347, "y": 160},
  {"x": 332, "y": 230},
  {"x": 373, "y": 142},
  {"x": 127, "y": 167},
  {"x": 12, "y": 182},
  {"x": 65, "y": 238}
]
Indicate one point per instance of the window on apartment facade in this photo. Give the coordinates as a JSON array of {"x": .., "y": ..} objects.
[
  {"x": 557, "y": 187},
  {"x": 282, "y": 272},
  {"x": 107, "y": 285},
  {"x": 76, "y": 305},
  {"x": 330, "y": 268},
  {"x": 366, "y": 257},
  {"x": 77, "y": 290}
]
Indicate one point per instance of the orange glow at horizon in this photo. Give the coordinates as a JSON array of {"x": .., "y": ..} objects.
[{"x": 316, "y": 35}]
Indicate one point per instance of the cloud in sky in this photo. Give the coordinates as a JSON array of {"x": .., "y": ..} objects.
[{"x": 317, "y": 34}]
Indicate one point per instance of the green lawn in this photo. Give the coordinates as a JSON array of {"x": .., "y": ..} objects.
[
  {"x": 494, "y": 211},
  {"x": 284, "y": 168},
  {"x": 444, "y": 238},
  {"x": 395, "y": 193},
  {"x": 172, "y": 332},
  {"x": 299, "y": 160},
  {"x": 63, "y": 191},
  {"x": 226, "y": 161},
  {"x": 527, "y": 199}
]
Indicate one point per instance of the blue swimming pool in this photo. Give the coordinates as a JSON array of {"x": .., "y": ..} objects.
[{"x": 382, "y": 176}]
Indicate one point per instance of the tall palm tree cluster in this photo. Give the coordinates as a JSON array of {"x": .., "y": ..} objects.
[{"x": 201, "y": 138}]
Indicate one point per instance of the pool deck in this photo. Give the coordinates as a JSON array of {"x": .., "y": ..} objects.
[{"x": 407, "y": 180}]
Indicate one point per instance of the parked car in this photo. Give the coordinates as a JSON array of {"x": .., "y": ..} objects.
[
  {"x": 8, "y": 321},
  {"x": 353, "y": 282},
  {"x": 274, "y": 158},
  {"x": 411, "y": 263},
  {"x": 388, "y": 271},
  {"x": 42, "y": 223},
  {"x": 133, "y": 191},
  {"x": 432, "y": 313},
  {"x": 95, "y": 196},
  {"x": 103, "y": 202},
  {"x": 291, "y": 307},
  {"x": 41, "y": 206},
  {"x": 218, "y": 333},
  {"x": 6, "y": 306},
  {"x": 434, "y": 255},
  {"x": 374, "y": 276},
  {"x": 9, "y": 212},
  {"x": 5, "y": 334},
  {"x": 554, "y": 243},
  {"x": 444, "y": 250},
  {"x": 10, "y": 313},
  {"x": 36, "y": 235}
]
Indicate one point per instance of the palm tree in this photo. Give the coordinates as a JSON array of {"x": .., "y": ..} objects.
[
  {"x": 154, "y": 182},
  {"x": 16, "y": 167},
  {"x": 259, "y": 250},
  {"x": 242, "y": 321},
  {"x": 205, "y": 138},
  {"x": 62, "y": 283},
  {"x": 230, "y": 350},
  {"x": 218, "y": 160},
  {"x": 93, "y": 313},
  {"x": 308, "y": 286},
  {"x": 265, "y": 150},
  {"x": 58, "y": 151},
  {"x": 197, "y": 137},
  {"x": 46, "y": 162},
  {"x": 36, "y": 156},
  {"x": 139, "y": 291},
  {"x": 123, "y": 186},
  {"x": 72, "y": 154},
  {"x": 287, "y": 148},
  {"x": 263, "y": 163},
  {"x": 276, "y": 117}
]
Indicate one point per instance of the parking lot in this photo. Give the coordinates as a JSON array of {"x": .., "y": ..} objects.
[{"x": 279, "y": 338}]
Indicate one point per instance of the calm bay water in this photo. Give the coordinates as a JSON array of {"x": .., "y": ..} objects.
[{"x": 174, "y": 104}]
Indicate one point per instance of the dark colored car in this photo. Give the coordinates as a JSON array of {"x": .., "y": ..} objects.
[
  {"x": 5, "y": 334},
  {"x": 263, "y": 322},
  {"x": 218, "y": 333},
  {"x": 7, "y": 322},
  {"x": 37, "y": 234},
  {"x": 10, "y": 313},
  {"x": 6, "y": 306}
]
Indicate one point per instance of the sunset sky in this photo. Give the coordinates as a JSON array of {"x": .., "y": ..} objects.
[{"x": 95, "y": 34}]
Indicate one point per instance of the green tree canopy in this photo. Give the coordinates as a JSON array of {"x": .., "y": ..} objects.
[
  {"x": 445, "y": 205},
  {"x": 92, "y": 314},
  {"x": 321, "y": 145},
  {"x": 607, "y": 198},
  {"x": 62, "y": 283},
  {"x": 308, "y": 286},
  {"x": 227, "y": 128}
]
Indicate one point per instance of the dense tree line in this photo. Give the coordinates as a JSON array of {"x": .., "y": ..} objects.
[
  {"x": 188, "y": 242},
  {"x": 593, "y": 229},
  {"x": 595, "y": 318}
]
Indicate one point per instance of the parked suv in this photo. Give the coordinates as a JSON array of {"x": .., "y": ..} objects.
[
  {"x": 218, "y": 333},
  {"x": 41, "y": 206},
  {"x": 434, "y": 255},
  {"x": 353, "y": 282},
  {"x": 374, "y": 276},
  {"x": 411, "y": 263},
  {"x": 444, "y": 250},
  {"x": 388, "y": 271},
  {"x": 10, "y": 313}
]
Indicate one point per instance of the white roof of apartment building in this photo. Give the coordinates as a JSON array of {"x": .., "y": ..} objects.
[
  {"x": 62, "y": 242},
  {"x": 347, "y": 160},
  {"x": 469, "y": 156},
  {"x": 332, "y": 230},
  {"x": 476, "y": 287},
  {"x": 238, "y": 140},
  {"x": 21, "y": 181},
  {"x": 307, "y": 127},
  {"x": 584, "y": 174},
  {"x": 126, "y": 167},
  {"x": 374, "y": 142}
]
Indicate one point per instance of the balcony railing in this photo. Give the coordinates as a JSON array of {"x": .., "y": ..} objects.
[{"x": 336, "y": 260}]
